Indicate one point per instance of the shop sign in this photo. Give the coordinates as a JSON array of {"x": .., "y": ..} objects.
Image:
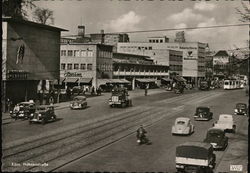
[
  {"x": 72, "y": 74},
  {"x": 16, "y": 75}
]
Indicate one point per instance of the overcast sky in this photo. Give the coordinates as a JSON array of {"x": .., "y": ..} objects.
[{"x": 133, "y": 15}]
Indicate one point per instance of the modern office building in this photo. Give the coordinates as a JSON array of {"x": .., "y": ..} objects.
[
  {"x": 193, "y": 63},
  {"x": 85, "y": 63}
]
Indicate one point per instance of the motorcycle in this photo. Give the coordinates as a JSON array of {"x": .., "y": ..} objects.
[{"x": 142, "y": 139}]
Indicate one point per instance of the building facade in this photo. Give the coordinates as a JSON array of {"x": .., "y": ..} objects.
[
  {"x": 85, "y": 63},
  {"x": 138, "y": 69},
  {"x": 193, "y": 64},
  {"x": 30, "y": 54}
]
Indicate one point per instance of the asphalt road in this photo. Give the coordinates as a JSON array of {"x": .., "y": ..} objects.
[{"x": 125, "y": 155}]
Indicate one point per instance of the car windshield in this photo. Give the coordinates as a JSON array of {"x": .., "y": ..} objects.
[
  {"x": 241, "y": 106},
  {"x": 202, "y": 110},
  {"x": 215, "y": 134},
  {"x": 180, "y": 122}
]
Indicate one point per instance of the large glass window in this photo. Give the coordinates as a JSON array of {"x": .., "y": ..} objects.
[
  {"x": 83, "y": 53},
  {"x": 83, "y": 66},
  {"x": 76, "y": 66},
  {"x": 89, "y": 67},
  {"x": 63, "y": 53},
  {"x": 70, "y": 52},
  {"x": 69, "y": 66},
  {"x": 63, "y": 66},
  {"x": 76, "y": 53}
]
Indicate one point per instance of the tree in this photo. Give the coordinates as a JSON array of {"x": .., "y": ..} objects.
[
  {"x": 42, "y": 15},
  {"x": 245, "y": 14},
  {"x": 15, "y": 8}
]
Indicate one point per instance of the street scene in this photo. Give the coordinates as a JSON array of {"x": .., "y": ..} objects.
[{"x": 109, "y": 87}]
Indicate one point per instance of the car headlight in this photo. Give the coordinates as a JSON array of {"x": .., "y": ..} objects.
[
  {"x": 21, "y": 112},
  {"x": 10, "y": 111},
  {"x": 236, "y": 110},
  {"x": 39, "y": 115},
  {"x": 31, "y": 115},
  {"x": 80, "y": 104}
]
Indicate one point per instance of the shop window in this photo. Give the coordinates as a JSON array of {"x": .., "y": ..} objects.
[
  {"x": 89, "y": 67},
  {"x": 63, "y": 66},
  {"x": 83, "y": 66},
  {"x": 69, "y": 66},
  {"x": 76, "y": 66},
  {"x": 70, "y": 52}
]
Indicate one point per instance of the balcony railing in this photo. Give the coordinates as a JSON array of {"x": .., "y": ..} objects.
[{"x": 131, "y": 73}]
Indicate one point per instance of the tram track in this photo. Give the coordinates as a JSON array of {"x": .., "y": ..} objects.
[{"x": 56, "y": 147}]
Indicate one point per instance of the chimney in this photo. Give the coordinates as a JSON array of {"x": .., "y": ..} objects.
[{"x": 81, "y": 31}]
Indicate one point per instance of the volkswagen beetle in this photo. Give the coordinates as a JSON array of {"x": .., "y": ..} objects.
[{"x": 182, "y": 126}]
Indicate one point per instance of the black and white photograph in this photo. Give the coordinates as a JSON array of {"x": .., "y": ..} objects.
[{"x": 125, "y": 86}]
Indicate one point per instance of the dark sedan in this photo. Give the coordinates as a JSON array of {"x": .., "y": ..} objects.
[
  {"x": 217, "y": 138},
  {"x": 241, "y": 109},
  {"x": 203, "y": 113}
]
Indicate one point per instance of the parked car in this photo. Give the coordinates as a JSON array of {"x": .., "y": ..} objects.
[
  {"x": 225, "y": 123},
  {"x": 79, "y": 102},
  {"x": 241, "y": 109},
  {"x": 43, "y": 115},
  {"x": 23, "y": 110},
  {"x": 217, "y": 138},
  {"x": 203, "y": 113},
  {"x": 182, "y": 126},
  {"x": 195, "y": 157},
  {"x": 204, "y": 85}
]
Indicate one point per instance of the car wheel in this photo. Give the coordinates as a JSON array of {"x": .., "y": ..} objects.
[
  {"x": 234, "y": 128},
  {"x": 54, "y": 117},
  {"x": 43, "y": 121},
  {"x": 123, "y": 105}
]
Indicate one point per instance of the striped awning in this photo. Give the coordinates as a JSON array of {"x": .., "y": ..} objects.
[
  {"x": 71, "y": 80},
  {"x": 145, "y": 80},
  {"x": 85, "y": 80}
]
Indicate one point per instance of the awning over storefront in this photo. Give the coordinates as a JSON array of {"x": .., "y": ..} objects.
[
  {"x": 71, "y": 80},
  {"x": 167, "y": 79},
  {"x": 179, "y": 78},
  {"x": 112, "y": 81},
  {"x": 146, "y": 80},
  {"x": 85, "y": 80}
]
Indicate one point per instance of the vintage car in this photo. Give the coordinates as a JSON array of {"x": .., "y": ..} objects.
[
  {"x": 195, "y": 157},
  {"x": 216, "y": 137},
  {"x": 182, "y": 126},
  {"x": 204, "y": 85},
  {"x": 203, "y": 113},
  {"x": 79, "y": 102},
  {"x": 120, "y": 97},
  {"x": 225, "y": 123},
  {"x": 241, "y": 109},
  {"x": 23, "y": 110},
  {"x": 43, "y": 115}
]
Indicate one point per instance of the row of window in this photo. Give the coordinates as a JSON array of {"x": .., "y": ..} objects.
[
  {"x": 175, "y": 67},
  {"x": 77, "y": 53},
  {"x": 156, "y": 41},
  {"x": 76, "y": 66}
]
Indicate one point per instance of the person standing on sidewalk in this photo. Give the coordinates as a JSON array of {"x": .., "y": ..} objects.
[{"x": 146, "y": 89}]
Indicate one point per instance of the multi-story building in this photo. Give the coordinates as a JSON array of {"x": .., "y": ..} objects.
[
  {"x": 109, "y": 39},
  {"x": 138, "y": 69},
  {"x": 85, "y": 63},
  {"x": 193, "y": 64},
  {"x": 220, "y": 63},
  {"x": 30, "y": 54}
]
